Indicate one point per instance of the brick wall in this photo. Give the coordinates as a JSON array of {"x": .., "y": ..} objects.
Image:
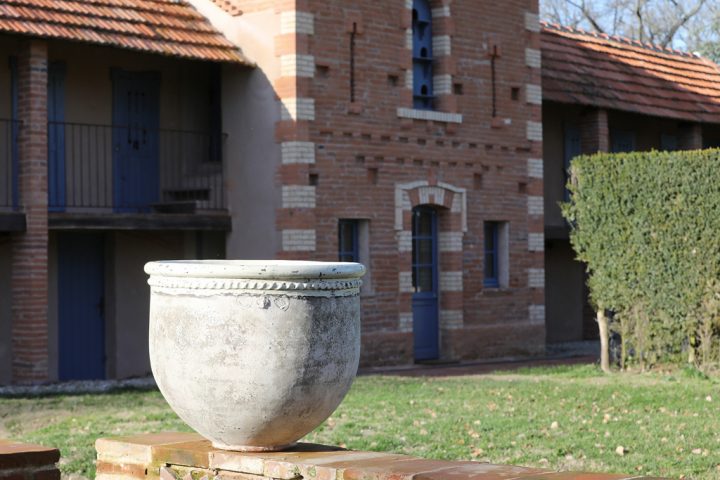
[
  {"x": 30, "y": 248},
  {"x": 20, "y": 461},
  {"x": 376, "y": 158},
  {"x": 177, "y": 456},
  {"x": 353, "y": 147}
]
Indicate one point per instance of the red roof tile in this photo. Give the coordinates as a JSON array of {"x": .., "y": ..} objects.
[
  {"x": 167, "y": 27},
  {"x": 611, "y": 72}
]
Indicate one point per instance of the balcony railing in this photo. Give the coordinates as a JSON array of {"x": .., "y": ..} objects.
[
  {"x": 131, "y": 169},
  {"x": 8, "y": 164}
]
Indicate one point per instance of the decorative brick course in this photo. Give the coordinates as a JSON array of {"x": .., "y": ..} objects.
[
  {"x": 536, "y": 314},
  {"x": 534, "y": 131},
  {"x": 451, "y": 281},
  {"x": 298, "y": 240},
  {"x": 533, "y": 94},
  {"x": 532, "y": 22},
  {"x": 441, "y": 45},
  {"x": 297, "y": 66},
  {"x": 405, "y": 282},
  {"x": 451, "y": 319},
  {"x": 298, "y": 152},
  {"x": 536, "y": 242},
  {"x": 404, "y": 241},
  {"x": 295, "y": 109},
  {"x": 405, "y": 322},
  {"x": 535, "y": 168},
  {"x": 297, "y": 22},
  {"x": 533, "y": 58},
  {"x": 535, "y": 205},
  {"x": 450, "y": 241},
  {"x": 536, "y": 277},
  {"x": 298, "y": 196}
]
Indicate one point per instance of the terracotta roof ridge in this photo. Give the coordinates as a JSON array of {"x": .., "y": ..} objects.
[
  {"x": 556, "y": 27},
  {"x": 179, "y": 14},
  {"x": 224, "y": 42},
  {"x": 179, "y": 23}
]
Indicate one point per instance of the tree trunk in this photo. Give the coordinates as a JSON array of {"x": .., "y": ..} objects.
[{"x": 604, "y": 341}]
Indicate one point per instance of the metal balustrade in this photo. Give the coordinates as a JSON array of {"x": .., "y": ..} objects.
[{"x": 132, "y": 169}]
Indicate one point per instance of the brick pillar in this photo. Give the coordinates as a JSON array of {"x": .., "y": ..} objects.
[
  {"x": 296, "y": 219},
  {"x": 594, "y": 131},
  {"x": 691, "y": 137},
  {"x": 30, "y": 249}
]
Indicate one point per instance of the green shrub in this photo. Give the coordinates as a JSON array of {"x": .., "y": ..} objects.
[{"x": 647, "y": 224}]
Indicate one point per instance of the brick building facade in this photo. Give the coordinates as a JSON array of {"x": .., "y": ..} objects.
[
  {"x": 403, "y": 134},
  {"x": 353, "y": 147}
]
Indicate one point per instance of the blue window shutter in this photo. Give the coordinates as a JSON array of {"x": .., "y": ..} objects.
[{"x": 422, "y": 55}]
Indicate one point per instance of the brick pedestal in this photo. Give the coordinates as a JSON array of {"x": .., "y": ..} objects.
[
  {"x": 22, "y": 461},
  {"x": 187, "y": 456}
]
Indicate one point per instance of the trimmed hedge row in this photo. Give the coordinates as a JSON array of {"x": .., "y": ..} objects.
[{"x": 647, "y": 224}]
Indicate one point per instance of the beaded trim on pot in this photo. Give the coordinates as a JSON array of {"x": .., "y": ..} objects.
[{"x": 211, "y": 286}]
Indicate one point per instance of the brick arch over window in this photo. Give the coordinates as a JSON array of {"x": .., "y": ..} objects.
[{"x": 410, "y": 195}]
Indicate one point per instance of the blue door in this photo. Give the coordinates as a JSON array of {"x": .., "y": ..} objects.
[
  {"x": 56, "y": 137},
  {"x": 136, "y": 120},
  {"x": 81, "y": 322},
  {"x": 425, "y": 283}
]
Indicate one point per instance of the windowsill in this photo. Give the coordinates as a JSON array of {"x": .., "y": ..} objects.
[
  {"x": 430, "y": 115},
  {"x": 496, "y": 290}
]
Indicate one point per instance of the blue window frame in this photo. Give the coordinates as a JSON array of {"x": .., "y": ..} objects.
[
  {"x": 491, "y": 273},
  {"x": 348, "y": 250},
  {"x": 422, "y": 55},
  {"x": 424, "y": 250}
]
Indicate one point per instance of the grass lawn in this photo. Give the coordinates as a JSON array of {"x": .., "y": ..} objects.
[{"x": 560, "y": 418}]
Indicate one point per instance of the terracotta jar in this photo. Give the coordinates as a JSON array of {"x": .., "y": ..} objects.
[{"x": 254, "y": 355}]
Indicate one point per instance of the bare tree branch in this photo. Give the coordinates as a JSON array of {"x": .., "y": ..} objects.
[
  {"x": 639, "y": 15},
  {"x": 681, "y": 21},
  {"x": 588, "y": 16}
]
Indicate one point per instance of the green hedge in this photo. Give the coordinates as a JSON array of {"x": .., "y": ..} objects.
[{"x": 647, "y": 224}]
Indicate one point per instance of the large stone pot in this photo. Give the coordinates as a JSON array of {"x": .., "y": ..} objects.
[{"x": 254, "y": 355}]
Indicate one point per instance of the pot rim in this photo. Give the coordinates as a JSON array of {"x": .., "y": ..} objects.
[{"x": 255, "y": 269}]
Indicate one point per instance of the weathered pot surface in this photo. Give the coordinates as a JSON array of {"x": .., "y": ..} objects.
[{"x": 254, "y": 355}]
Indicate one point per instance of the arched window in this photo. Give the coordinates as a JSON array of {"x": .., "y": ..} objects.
[{"x": 422, "y": 55}]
